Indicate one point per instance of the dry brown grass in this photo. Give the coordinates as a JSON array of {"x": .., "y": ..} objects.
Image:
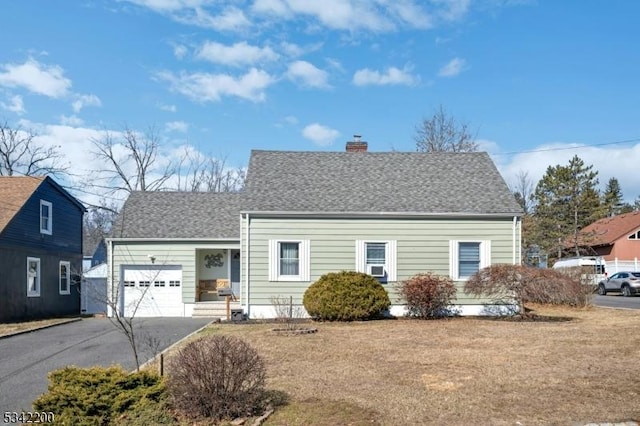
[
  {"x": 7, "y": 329},
  {"x": 458, "y": 371}
]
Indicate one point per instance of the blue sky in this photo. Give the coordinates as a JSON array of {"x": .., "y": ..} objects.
[{"x": 557, "y": 78}]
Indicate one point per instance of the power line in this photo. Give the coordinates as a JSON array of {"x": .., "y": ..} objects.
[{"x": 569, "y": 147}]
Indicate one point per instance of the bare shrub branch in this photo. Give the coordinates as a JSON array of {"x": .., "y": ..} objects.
[
  {"x": 428, "y": 295},
  {"x": 217, "y": 377}
]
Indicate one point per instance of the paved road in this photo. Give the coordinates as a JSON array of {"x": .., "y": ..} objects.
[
  {"x": 615, "y": 300},
  {"x": 26, "y": 359}
]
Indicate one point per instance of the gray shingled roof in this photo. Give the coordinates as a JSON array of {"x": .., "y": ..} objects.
[
  {"x": 374, "y": 182},
  {"x": 205, "y": 215}
]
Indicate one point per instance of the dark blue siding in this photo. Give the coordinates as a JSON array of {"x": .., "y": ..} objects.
[
  {"x": 16, "y": 306},
  {"x": 21, "y": 238},
  {"x": 24, "y": 228}
]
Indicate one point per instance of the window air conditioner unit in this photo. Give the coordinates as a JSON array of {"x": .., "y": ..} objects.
[{"x": 376, "y": 270}]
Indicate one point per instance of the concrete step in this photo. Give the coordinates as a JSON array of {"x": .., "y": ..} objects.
[{"x": 213, "y": 309}]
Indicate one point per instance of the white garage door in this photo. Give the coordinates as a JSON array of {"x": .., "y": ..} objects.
[{"x": 153, "y": 292}]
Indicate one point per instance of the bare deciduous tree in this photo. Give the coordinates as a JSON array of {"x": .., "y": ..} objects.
[
  {"x": 197, "y": 172},
  {"x": 132, "y": 162},
  {"x": 523, "y": 189},
  {"x": 442, "y": 132},
  {"x": 20, "y": 154}
]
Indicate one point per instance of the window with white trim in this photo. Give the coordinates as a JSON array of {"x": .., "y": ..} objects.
[
  {"x": 289, "y": 260},
  {"x": 46, "y": 217},
  {"x": 377, "y": 258},
  {"x": 33, "y": 277},
  {"x": 466, "y": 257},
  {"x": 635, "y": 236},
  {"x": 65, "y": 278}
]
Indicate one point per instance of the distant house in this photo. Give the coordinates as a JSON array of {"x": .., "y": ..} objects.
[
  {"x": 304, "y": 214},
  {"x": 94, "y": 252},
  {"x": 615, "y": 239},
  {"x": 40, "y": 249}
]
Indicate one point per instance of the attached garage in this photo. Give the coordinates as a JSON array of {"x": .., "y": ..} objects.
[{"x": 150, "y": 291}]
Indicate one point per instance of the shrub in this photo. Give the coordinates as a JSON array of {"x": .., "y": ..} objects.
[
  {"x": 566, "y": 286},
  {"x": 428, "y": 295},
  {"x": 508, "y": 283},
  {"x": 345, "y": 296},
  {"x": 100, "y": 395},
  {"x": 217, "y": 377}
]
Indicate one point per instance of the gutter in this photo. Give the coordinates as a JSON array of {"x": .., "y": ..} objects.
[{"x": 404, "y": 215}]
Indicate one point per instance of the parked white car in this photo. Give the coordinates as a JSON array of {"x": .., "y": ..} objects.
[{"x": 627, "y": 282}]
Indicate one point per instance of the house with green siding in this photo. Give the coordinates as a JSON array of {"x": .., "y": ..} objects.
[{"x": 303, "y": 214}]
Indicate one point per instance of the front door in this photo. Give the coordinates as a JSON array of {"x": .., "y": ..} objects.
[{"x": 235, "y": 272}]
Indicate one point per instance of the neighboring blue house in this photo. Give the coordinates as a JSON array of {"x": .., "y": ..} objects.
[{"x": 40, "y": 249}]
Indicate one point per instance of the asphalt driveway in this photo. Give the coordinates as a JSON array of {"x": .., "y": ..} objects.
[{"x": 26, "y": 359}]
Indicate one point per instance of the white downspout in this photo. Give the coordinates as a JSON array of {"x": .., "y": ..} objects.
[
  {"x": 247, "y": 256},
  {"x": 515, "y": 221},
  {"x": 110, "y": 273}
]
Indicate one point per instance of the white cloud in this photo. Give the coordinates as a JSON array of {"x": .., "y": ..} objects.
[
  {"x": 237, "y": 54},
  {"x": 230, "y": 19},
  {"x": 83, "y": 101},
  {"x": 177, "y": 126},
  {"x": 319, "y": 134},
  {"x": 206, "y": 87},
  {"x": 169, "y": 5},
  {"x": 180, "y": 51},
  {"x": 168, "y": 108},
  {"x": 453, "y": 10},
  {"x": 392, "y": 75},
  {"x": 71, "y": 120},
  {"x": 36, "y": 77},
  {"x": 291, "y": 120},
  {"x": 16, "y": 104},
  {"x": 195, "y": 12},
  {"x": 452, "y": 68},
  {"x": 610, "y": 161},
  {"x": 307, "y": 75},
  {"x": 349, "y": 15}
]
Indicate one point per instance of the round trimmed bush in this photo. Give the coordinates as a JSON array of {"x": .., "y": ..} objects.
[{"x": 346, "y": 296}]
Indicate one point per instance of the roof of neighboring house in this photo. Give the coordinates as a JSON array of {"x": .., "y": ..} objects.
[
  {"x": 377, "y": 182},
  {"x": 606, "y": 231},
  {"x": 14, "y": 193},
  {"x": 189, "y": 215}
]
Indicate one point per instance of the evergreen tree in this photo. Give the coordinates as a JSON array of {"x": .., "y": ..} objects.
[
  {"x": 566, "y": 200},
  {"x": 612, "y": 198}
]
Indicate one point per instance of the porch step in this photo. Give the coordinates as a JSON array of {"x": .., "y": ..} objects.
[{"x": 213, "y": 309}]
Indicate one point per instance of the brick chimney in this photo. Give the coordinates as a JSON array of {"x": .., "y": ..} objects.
[{"x": 356, "y": 145}]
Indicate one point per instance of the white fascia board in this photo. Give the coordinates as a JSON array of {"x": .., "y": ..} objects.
[{"x": 404, "y": 215}]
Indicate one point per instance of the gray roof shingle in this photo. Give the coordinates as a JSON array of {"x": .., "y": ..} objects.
[
  {"x": 189, "y": 215},
  {"x": 377, "y": 182}
]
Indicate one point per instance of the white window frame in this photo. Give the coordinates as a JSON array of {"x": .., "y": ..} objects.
[
  {"x": 390, "y": 252},
  {"x": 454, "y": 247},
  {"x": 49, "y": 228},
  {"x": 36, "y": 291},
  {"x": 304, "y": 273},
  {"x": 68, "y": 277}
]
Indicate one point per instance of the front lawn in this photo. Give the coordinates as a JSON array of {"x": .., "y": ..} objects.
[{"x": 457, "y": 371}]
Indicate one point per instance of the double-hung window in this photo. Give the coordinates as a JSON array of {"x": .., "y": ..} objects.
[
  {"x": 65, "y": 278},
  {"x": 46, "y": 217},
  {"x": 377, "y": 258},
  {"x": 33, "y": 277},
  {"x": 289, "y": 260},
  {"x": 468, "y": 257}
]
